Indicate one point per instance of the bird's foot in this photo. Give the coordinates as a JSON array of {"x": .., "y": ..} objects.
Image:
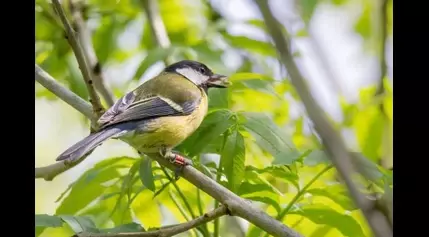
[{"x": 176, "y": 159}]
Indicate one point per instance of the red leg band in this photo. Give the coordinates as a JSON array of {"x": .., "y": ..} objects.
[{"x": 179, "y": 160}]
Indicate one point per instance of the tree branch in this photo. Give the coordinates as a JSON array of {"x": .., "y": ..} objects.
[
  {"x": 167, "y": 231},
  {"x": 80, "y": 57},
  {"x": 383, "y": 64},
  {"x": 156, "y": 23},
  {"x": 51, "y": 171},
  {"x": 157, "y": 26},
  {"x": 335, "y": 146},
  {"x": 63, "y": 93},
  {"x": 84, "y": 36}
]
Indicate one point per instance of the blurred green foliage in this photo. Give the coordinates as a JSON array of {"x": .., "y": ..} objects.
[{"x": 265, "y": 155}]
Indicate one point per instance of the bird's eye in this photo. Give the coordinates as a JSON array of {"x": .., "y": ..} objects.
[{"x": 202, "y": 70}]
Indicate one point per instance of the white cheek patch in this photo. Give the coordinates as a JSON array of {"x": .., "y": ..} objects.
[{"x": 192, "y": 75}]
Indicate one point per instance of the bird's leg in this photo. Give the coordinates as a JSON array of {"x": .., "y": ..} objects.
[{"x": 176, "y": 159}]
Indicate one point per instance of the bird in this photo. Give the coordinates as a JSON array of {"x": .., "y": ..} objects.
[{"x": 158, "y": 115}]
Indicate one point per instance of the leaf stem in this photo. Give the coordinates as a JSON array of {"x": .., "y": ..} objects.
[
  {"x": 216, "y": 204},
  {"x": 173, "y": 198},
  {"x": 201, "y": 212},
  {"x": 301, "y": 192},
  {"x": 182, "y": 196}
]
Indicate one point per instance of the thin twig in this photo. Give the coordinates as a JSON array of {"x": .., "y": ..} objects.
[
  {"x": 63, "y": 93},
  {"x": 156, "y": 23},
  {"x": 335, "y": 146},
  {"x": 200, "y": 209},
  {"x": 383, "y": 64},
  {"x": 178, "y": 205},
  {"x": 383, "y": 161},
  {"x": 80, "y": 57},
  {"x": 216, "y": 203},
  {"x": 182, "y": 196},
  {"x": 157, "y": 26},
  {"x": 49, "y": 172},
  {"x": 170, "y": 231},
  {"x": 301, "y": 192},
  {"x": 84, "y": 37}
]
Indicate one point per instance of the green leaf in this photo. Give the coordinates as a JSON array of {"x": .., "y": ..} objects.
[
  {"x": 366, "y": 167},
  {"x": 258, "y": 23},
  {"x": 287, "y": 157},
  {"x": 281, "y": 172},
  {"x": 130, "y": 227},
  {"x": 218, "y": 99},
  {"x": 246, "y": 188},
  {"x": 254, "y": 177},
  {"x": 159, "y": 191},
  {"x": 48, "y": 221},
  {"x": 90, "y": 184},
  {"x": 302, "y": 33},
  {"x": 321, "y": 231},
  {"x": 308, "y": 7},
  {"x": 369, "y": 132},
  {"x": 316, "y": 157},
  {"x": 252, "y": 45},
  {"x": 338, "y": 2},
  {"x": 364, "y": 23},
  {"x": 153, "y": 56},
  {"x": 257, "y": 85},
  {"x": 64, "y": 193},
  {"x": 266, "y": 200},
  {"x": 205, "y": 170},
  {"x": 146, "y": 174},
  {"x": 127, "y": 184},
  {"x": 270, "y": 137},
  {"x": 106, "y": 36},
  {"x": 213, "y": 125},
  {"x": 260, "y": 192},
  {"x": 80, "y": 223},
  {"x": 233, "y": 158},
  {"x": 324, "y": 215},
  {"x": 336, "y": 193},
  {"x": 243, "y": 76}
]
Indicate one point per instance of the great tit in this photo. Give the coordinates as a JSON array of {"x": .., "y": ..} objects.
[{"x": 158, "y": 115}]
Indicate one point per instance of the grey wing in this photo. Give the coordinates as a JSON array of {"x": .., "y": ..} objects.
[
  {"x": 120, "y": 106},
  {"x": 128, "y": 110}
]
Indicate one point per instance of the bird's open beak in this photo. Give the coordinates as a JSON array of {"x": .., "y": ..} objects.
[{"x": 219, "y": 81}]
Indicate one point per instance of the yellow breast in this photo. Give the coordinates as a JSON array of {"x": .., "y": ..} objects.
[{"x": 171, "y": 131}]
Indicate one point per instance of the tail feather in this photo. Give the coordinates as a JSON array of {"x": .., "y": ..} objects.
[{"x": 90, "y": 142}]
